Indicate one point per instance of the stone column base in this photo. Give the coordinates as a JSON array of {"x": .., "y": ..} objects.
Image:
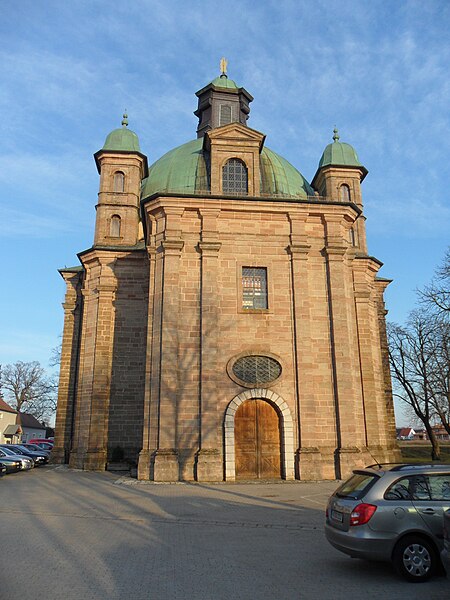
[
  {"x": 95, "y": 460},
  {"x": 350, "y": 458},
  {"x": 76, "y": 459},
  {"x": 308, "y": 464},
  {"x": 59, "y": 456},
  {"x": 165, "y": 465},
  {"x": 208, "y": 465},
  {"x": 143, "y": 470}
]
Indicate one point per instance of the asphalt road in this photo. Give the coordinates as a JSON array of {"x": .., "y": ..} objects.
[{"x": 71, "y": 534}]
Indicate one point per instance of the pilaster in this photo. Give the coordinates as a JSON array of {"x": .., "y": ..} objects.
[
  {"x": 307, "y": 457},
  {"x": 208, "y": 460},
  {"x": 92, "y": 411},
  {"x": 96, "y": 456},
  {"x": 364, "y": 271},
  {"x": 68, "y": 368},
  {"x": 347, "y": 387},
  {"x": 391, "y": 450},
  {"x": 164, "y": 461},
  {"x": 149, "y": 430}
]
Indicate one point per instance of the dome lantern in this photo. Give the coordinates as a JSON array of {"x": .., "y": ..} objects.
[{"x": 221, "y": 102}]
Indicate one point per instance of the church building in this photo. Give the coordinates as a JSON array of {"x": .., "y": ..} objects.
[{"x": 228, "y": 321}]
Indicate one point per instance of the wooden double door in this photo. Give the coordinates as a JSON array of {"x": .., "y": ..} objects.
[{"x": 257, "y": 441}]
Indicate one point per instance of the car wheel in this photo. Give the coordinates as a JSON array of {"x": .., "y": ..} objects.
[{"x": 415, "y": 558}]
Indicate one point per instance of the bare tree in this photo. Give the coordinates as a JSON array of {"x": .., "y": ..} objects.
[
  {"x": 55, "y": 356},
  {"x": 441, "y": 372},
  {"x": 436, "y": 296},
  {"x": 28, "y": 388},
  {"x": 412, "y": 356}
]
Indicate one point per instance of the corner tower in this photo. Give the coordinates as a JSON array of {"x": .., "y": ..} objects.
[
  {"x": 122, "y": 167},
  {"x": 339, "y": 176}
]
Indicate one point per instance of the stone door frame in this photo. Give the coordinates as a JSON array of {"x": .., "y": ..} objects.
[{"x": 287, "y": 431}]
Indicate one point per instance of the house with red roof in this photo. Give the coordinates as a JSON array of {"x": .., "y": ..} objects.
[{"x": 405, "y": 433}]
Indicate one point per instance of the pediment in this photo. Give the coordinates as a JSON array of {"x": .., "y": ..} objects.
[{"x": 235, "y": 131}]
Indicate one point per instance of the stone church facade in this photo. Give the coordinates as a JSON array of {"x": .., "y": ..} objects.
[{"x": 228, "y": 322}]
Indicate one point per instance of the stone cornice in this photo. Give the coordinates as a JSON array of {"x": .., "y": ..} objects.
[
  {"x": 299, "y": 249},
  {"x": 209, "y": 247},
  {"x": 172, "y": 245}
]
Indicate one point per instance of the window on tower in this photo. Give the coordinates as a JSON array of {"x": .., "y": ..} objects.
[
  {"x": 344, "y": 193},
  {"x": 119, "y": 181},
  {"x": 254, "y": 288},
  {"x": 225, "y": 114},
  {"x": 115, "y": 226},
  {"x": 234, "y": 177}
]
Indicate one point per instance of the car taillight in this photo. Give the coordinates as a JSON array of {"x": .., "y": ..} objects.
[{"x": 362, "y": 514}]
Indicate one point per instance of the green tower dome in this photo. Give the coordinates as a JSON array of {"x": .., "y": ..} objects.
[
  {"x": 339, "y": 154},
  {"x": 183, "y": 170},
  {"x": 122, "y": 140},
  {"x": 223, "y": 82}
]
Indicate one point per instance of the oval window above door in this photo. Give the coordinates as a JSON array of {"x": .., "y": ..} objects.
[{"x": 255, "y": 370}]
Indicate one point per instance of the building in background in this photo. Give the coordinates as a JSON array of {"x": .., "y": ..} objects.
[
  {"x": 10, "y": 431},
  {"x": 31, "y": 428},
  {"x": 228, "y": 321}
]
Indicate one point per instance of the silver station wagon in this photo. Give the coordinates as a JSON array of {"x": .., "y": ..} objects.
[{"x": 392, "y": 513}]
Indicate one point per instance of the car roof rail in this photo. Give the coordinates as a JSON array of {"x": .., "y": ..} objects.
[
  {"x": 396, "y": 466},
  {"x": 383, "y": 465},
  {"x": 421, "y": 466}
]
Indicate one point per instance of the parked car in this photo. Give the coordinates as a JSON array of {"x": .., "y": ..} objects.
[
  {"x": 445, "y": 554},
  {"x": 40, "y": 457},
  {"x": 392, "y": 513},
  {"x": 36, "y": 448},
  {"x": 11, "y": 464},
  {"x": 2, "y": 469},
  {"x": 14, "y": 462},
  {"x": 44, "y": 446},
  {"x": 41, "y": 440}
]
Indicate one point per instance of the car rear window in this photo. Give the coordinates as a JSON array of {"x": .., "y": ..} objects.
[{"x": 355, "y": 487}]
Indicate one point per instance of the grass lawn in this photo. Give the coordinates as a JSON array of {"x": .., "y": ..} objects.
[{"x": 422, "y": 453}]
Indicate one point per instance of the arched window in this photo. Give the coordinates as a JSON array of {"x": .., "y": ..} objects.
[
  {"x": 353, "y": 236},
  {"x": 115, "y": 226},
  {"x": 225, "y": 114},
  {"x": 119, "y": 181},
  {"x": 344, "y": 193},
  {"x": 234, "y": 177}
]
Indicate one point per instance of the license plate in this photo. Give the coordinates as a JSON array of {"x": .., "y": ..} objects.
[{"x": 337, "y": 516}]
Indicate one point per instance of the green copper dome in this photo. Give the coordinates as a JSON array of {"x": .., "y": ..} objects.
[
  {"x": 183, "y": 170},
  {"x": 339, "y": 154},
  {"x": 223, "y": 82},
  {"x": 122, "y": 140}
]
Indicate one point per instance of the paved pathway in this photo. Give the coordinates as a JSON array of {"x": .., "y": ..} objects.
[{"x": 78, "y": 535}]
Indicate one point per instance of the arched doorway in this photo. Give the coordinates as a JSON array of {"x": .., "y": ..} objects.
[
  {"x": 257, "y": 441},
  {"x": 287, "y": 431}
]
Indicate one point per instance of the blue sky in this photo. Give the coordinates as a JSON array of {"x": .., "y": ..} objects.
[{"x": 378, "y": 70}]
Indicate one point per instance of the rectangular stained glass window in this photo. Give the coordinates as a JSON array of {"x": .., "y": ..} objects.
[{"x": 254, "y": 287}]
